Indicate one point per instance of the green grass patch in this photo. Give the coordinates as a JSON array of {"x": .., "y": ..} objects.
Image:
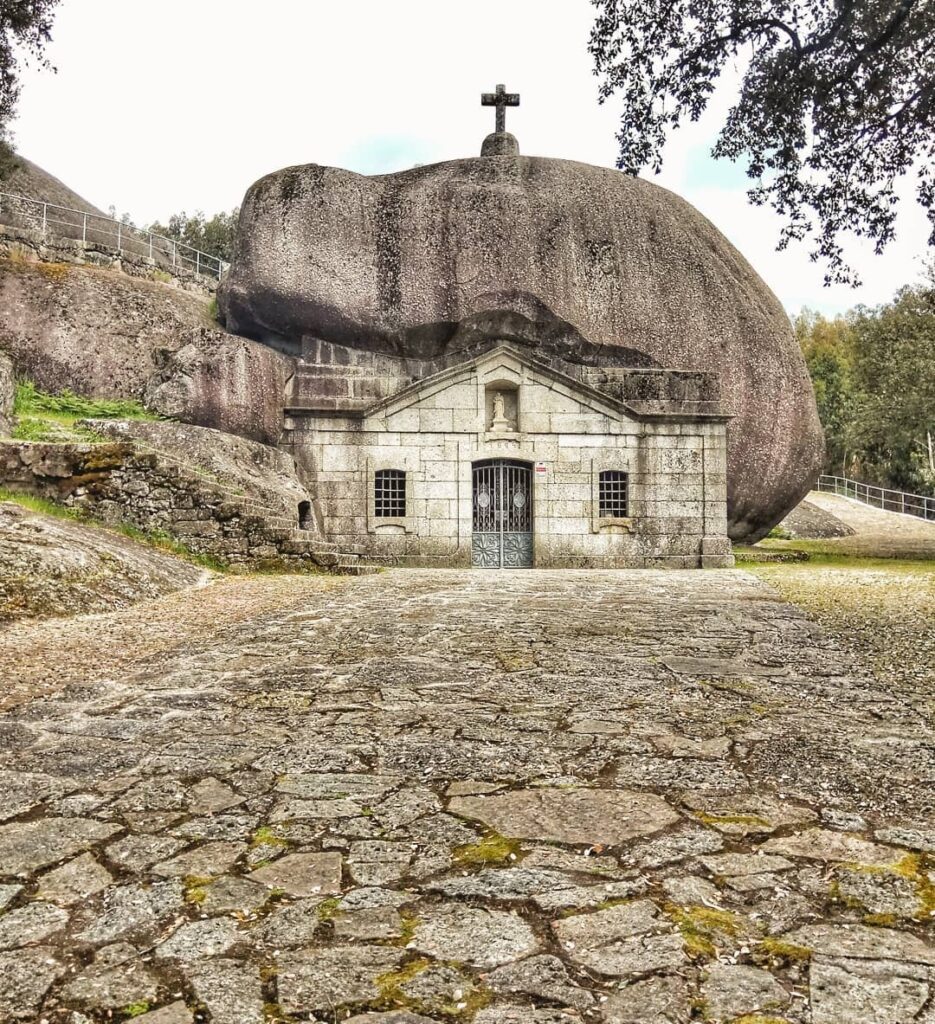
[
  {"x": 166, "y": 542},
  {"x": 328, "y": 909},
  {"x": 52, "y": 431},
  {"x": 41, "y": 416},
  {"x": 67, "y": 407},
  {"x": 825, "y": 553},
  {"x": 41, "y": 505}
]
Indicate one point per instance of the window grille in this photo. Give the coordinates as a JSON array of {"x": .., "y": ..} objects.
[
  {"x": 389, "y": 493},
  {"x": 612, "y": 494}
]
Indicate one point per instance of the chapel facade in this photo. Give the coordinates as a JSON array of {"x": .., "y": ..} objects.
[{"x": 500, "y": 460}]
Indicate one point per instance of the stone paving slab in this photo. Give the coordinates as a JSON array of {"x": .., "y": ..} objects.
[{"x": 513, "y": 798}]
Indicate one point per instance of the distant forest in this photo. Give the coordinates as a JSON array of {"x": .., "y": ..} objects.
[
  {"x": 874, "y": 377},
  {"x": 213, "y": 235}
]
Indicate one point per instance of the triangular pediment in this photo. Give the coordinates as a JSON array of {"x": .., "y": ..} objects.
[{"x": 505, "y": 363}]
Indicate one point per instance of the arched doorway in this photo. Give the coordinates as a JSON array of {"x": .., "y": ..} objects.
[{"x": 502, "y": 514}]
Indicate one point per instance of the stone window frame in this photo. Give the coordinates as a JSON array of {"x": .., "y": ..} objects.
[
  {"x": 389, "y": 493},
  {"x": 613, "y": 488},
  {"x": 619, "y": 463},
  {"x": 375, "y": 522}
]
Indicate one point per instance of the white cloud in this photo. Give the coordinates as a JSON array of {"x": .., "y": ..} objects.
[{"x": 160, "y": 106}]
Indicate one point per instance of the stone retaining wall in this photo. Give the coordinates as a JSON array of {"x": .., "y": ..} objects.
[
  {"x": 30, "y": 245},
  {"x": 119, "y": 483}
]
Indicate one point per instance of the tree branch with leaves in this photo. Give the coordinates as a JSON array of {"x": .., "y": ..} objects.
[
  {"x": 25, "y": 30},
  {"x": 836, "y": 103}
]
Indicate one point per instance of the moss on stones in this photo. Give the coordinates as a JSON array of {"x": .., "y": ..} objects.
[
  {"x": 266, "y": 836},
  {"x": 135, "y": 1009},
  {"x": 714, "y": 820},
  {"x": 777, "y": 949},
  {"x": 703, "y": 929},
  {"x": 492, "y": 849},
  {"x": 391, "y": 987}
]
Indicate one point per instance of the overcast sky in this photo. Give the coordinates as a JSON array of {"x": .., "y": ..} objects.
[{"x": 162, "y": 106}]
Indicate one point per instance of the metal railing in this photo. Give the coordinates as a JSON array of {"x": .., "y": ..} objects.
[
  {"x": 91, "y": 228},
  {"x": 880, "y": 497}
]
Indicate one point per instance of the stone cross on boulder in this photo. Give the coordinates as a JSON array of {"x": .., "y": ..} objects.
[
  {"x": 500, "y": 142},
  {"x": 501, "y": 99}
]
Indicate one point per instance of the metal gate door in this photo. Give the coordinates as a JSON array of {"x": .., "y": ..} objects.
[{"x": 502, "y": 515}]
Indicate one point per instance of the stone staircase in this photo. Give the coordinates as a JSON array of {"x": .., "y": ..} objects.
[
  {"x": 292, "y": 544},
  {"x": 297, "y": 545},
  {"x": 120, "y": 482}
]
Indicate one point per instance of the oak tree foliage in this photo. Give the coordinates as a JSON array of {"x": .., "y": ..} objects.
[
  {"x": 836, "y": 102},
  {"x": 874, "y": 376}
]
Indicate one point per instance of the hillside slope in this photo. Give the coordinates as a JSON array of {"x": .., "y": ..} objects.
[
  {"x": 32, "y": 181},
  {"x": 105, "y": 333}
]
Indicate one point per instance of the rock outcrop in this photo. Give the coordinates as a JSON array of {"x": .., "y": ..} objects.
[
  {"x": 102, "y": 333},
  {"x": 51, "y": 567},
  {"x": 259, "y": 472},
  {"x": 581, "y": 262},
  {"x": 7, "y": 393}
]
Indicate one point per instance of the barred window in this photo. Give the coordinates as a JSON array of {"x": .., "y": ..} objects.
[
  {"x": 612, "y": 494},
  {"x": 389, "y": 493}
]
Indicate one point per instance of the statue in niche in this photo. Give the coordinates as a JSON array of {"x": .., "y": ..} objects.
[{"x": 501, "y": 423}]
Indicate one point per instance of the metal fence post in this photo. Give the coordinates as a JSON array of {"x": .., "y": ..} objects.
[
  {"x": 45, "y": 218},
  {"x": 84, "y": 230},
  {"x": 119, "y": 225},
  {"x": 197, "y": 262},
  {"x": 150, "y": 245}
]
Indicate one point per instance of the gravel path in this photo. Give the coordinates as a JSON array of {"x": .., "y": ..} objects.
[{"x": 629, "y": 797}]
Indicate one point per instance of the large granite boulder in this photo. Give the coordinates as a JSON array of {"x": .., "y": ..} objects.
[{"x": 589, "y": 263}]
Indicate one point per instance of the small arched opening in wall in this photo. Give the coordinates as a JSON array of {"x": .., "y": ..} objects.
[{"x": 305, "y": 515}]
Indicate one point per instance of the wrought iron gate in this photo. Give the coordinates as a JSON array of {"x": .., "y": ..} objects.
[{"x": 502, "y": 515}]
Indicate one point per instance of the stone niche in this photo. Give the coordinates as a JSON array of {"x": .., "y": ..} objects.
[{"x": 501, "y": 407}]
